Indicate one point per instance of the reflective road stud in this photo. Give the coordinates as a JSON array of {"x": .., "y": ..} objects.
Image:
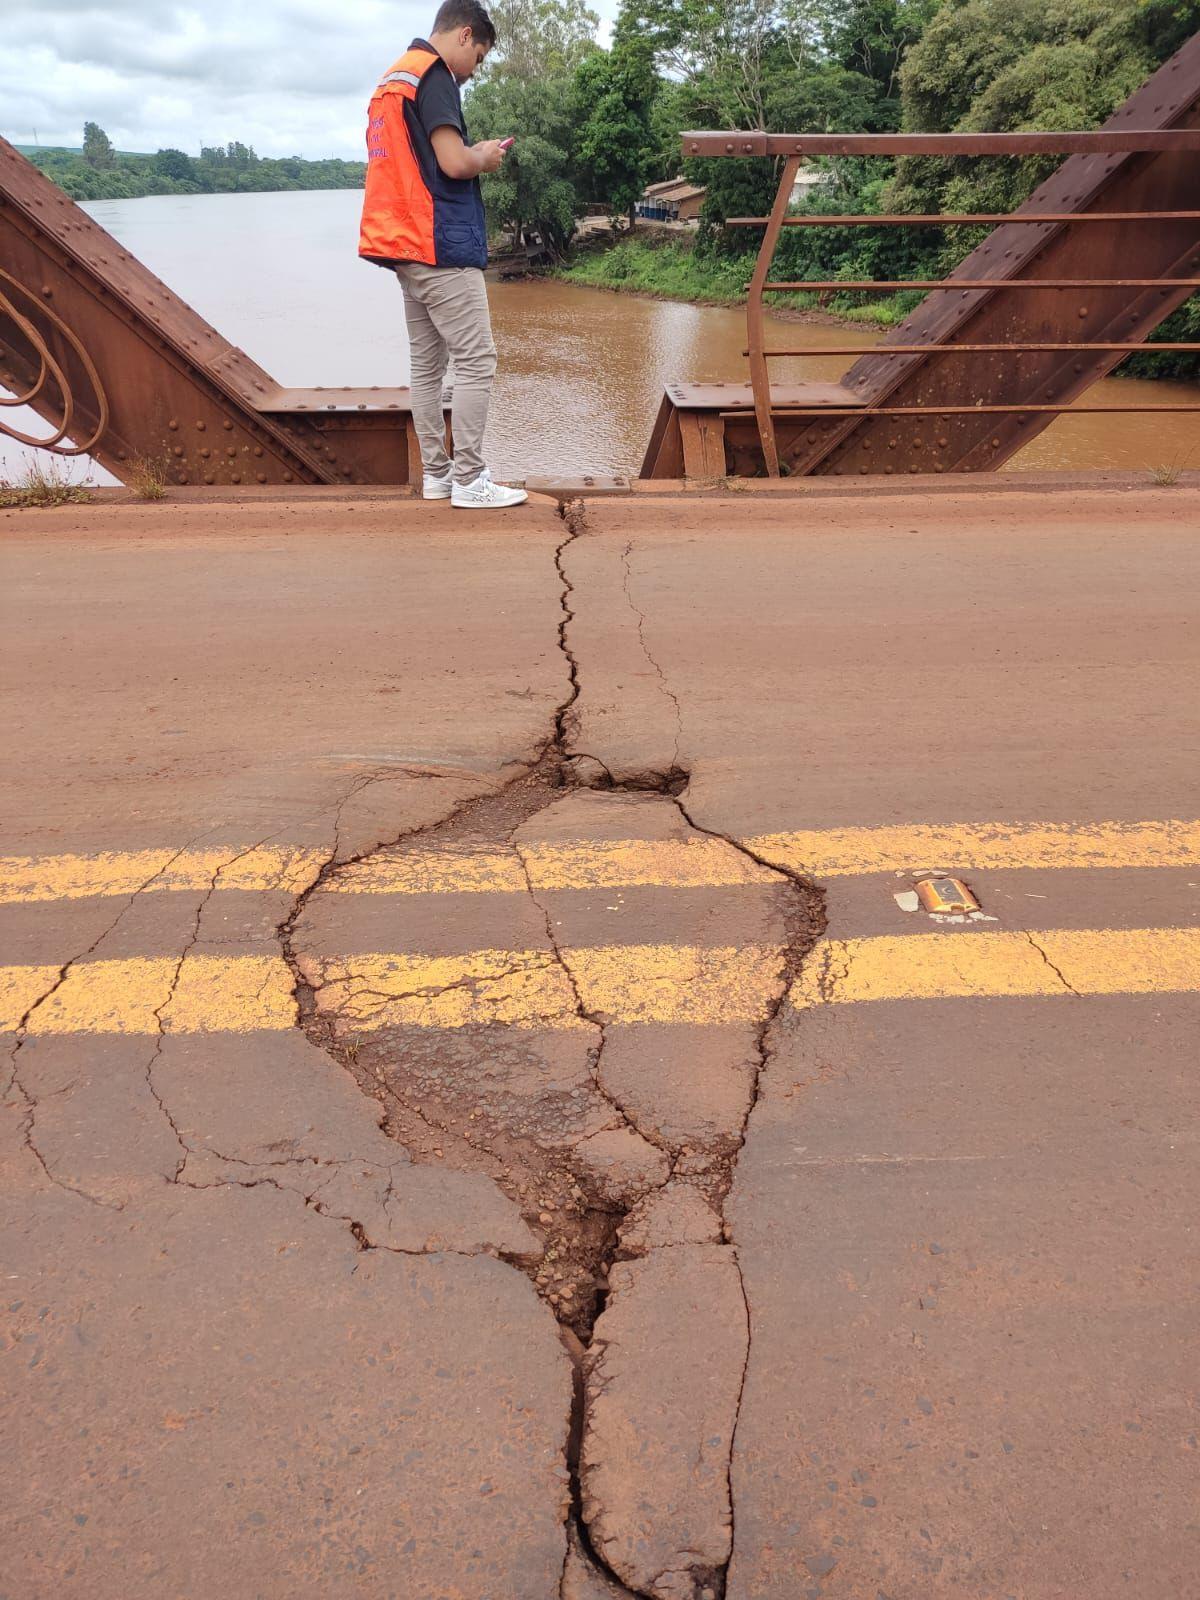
[{"x": 947, "y": 896}]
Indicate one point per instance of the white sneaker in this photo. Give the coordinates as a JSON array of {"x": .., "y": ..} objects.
[
  {"x": 484, "y": 495},
  {"x": 438, "y": 488}
]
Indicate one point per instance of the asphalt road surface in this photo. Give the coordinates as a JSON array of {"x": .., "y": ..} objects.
[{"x": 489, "y": 1113}]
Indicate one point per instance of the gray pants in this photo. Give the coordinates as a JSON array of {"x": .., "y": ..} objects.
[{"x": 446, "y": 309}]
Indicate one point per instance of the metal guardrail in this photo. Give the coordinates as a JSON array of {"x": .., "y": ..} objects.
[{"x": 797, "y": 148}]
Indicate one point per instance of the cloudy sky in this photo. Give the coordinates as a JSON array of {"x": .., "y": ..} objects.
[{"x": 289, "y": 77}]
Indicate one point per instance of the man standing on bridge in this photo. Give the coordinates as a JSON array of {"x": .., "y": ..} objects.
[{"x": 423, "y": 217}]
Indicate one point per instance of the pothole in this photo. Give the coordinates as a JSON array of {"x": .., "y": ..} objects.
[{"x": 474, "y": 982}]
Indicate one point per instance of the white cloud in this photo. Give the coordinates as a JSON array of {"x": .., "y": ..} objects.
[{"x": 290, "y": 77}]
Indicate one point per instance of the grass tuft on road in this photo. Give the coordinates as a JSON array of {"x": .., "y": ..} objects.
[{"x": 42, "y": 484}]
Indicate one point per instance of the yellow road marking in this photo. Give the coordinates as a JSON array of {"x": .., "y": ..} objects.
[
  {"x": 694, "y": 863},
  {"x": 232, "y": 994},
  {"x": 625, "y": 983},
  {"x": 25, "y": 879},
  {"x": 630, "y": 863},
  {"x": 531, "y": 989},
  {"x": 1054, "y": 961},
  {"x": 983, "y": 846}
]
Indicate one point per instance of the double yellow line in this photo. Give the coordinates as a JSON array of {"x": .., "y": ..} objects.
[
  {"x": 629, "y": 983},
  {"x": 698, "y": 862}
]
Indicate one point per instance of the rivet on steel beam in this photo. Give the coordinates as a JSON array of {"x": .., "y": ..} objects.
[
  {"x": 205, "y": 454},
  {"x": 178, "y": 450},
  {"x": 258, "y": 449},
  {"x": 995, "y": 444},
  {"x": 914, "y": 467},
  {"x": 729, "y": 149},
  {"x": 181, "y": 477},
  {"x": 227, "y": 425},
  {"x": 237, "y": 478},
  {"x": 695, "y": 147},
  {"x": 1083, "y": 311},
  {"x": 262, "y": 477},
  {"x": 209, "y": 478},
  {"x": 47, "y": 291},
  {"x": 889, "y": 470},
  {"x": 201, "y": 426},
  {"x": 173, "y": 425},
  {"x": 943, "y": 443}
]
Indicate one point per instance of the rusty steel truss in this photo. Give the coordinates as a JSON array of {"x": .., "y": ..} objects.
[
  {"x": 121, "y": 369},
  {"x": 1055, "y": 297}
]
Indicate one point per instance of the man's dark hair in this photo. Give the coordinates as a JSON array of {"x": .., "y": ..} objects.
[{"x": 454, "y": 14}]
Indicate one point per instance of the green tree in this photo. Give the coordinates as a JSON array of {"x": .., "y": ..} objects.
[
  {"x": 97, "y": 148},
  {"x": 870, "y": 38},
  {"x": 540, "y": 39},
  {"x": 174, "y": 164},
  {"x": 616, "y": 148},
  {"x": 1006, "y": 65},
  {"x": 533, "y": 187}
]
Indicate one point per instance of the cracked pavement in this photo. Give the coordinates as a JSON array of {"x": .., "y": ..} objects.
[{"x": 586, "y": 1193}]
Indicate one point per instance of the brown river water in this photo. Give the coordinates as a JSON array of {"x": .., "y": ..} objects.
[{"x": 582, "y": 371}]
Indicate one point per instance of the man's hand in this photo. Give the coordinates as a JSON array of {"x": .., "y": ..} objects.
[
  {"x": 458, "y": 160},
  {"x": 490, "y": 154}
]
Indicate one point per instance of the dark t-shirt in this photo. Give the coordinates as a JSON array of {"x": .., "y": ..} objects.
[{"x": 439, "y": 103}]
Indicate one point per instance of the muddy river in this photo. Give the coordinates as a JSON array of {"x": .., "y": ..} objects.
[{"x": 581, "y": 371}]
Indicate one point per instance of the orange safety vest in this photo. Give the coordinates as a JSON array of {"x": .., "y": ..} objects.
[{"x": 411, "y": 210}]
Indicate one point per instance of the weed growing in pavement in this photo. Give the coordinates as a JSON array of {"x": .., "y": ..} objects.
[
  {"x": 1165, "y": 476},
  {"x": 43, "y": 483},
  {"x": 147, "y": 478}
]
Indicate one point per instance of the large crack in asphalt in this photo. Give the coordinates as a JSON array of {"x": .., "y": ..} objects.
[
  {"x": 653, "y": 1227},
  {"x": 439, "y": 1099}
]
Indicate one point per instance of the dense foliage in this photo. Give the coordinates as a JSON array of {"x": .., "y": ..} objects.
[{"x": 874, "y": 65}]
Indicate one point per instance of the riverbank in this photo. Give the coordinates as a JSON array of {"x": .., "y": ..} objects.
[
  {"x": 672, "y": 269},
  {"x": 232, "y": 169}
]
